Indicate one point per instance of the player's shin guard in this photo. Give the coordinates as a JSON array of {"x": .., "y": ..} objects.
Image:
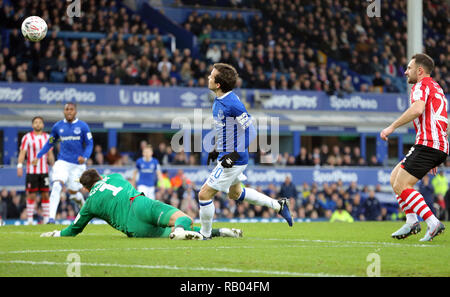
[
  {"x": 184, "y": 222},
  {"x": 254, "y": 197},
  {"x": 206, "y": 214},
  {"x": 55, "y": 197}
]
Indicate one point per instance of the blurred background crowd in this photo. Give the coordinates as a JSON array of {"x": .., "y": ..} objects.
[
  {"x": 307, "y": 201},
  {"x": 288, "y": 47}
]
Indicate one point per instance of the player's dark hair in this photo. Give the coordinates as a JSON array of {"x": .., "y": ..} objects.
[
  {"x": 37, "y": 117},
  {"x": 425, "y": 61},
  {"x": 71, "y": 103},
  {"x": 226, "y": 77},
  {"x": 89, "y": 178}
]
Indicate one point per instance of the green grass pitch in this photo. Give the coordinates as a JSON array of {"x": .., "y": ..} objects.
[{"x": 266, "y": 250}]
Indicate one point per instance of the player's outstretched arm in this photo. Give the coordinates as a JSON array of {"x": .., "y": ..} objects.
[
  {"x": 75, "y": 228},
  {"x": 54, "y": 233},
  {"x": 53, "y": 138},
  {"x": 414, "y": 111},
  {"x": 78, "y": 225}
]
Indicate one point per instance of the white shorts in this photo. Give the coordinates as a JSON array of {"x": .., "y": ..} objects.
[
  {"x": 68, "y": 173},
  {"x": 221, "y": 179},
  {"x": 147, "y": 190}
]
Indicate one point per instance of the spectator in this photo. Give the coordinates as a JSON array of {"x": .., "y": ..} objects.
[
  {"x": 378, "y": 81},
  {"x": 427, "y": 191},
  {"x": 373, "y": 161},
  {"x": 15, "y": 206},
  {"x": 178, "y": 179},
  {"x": 389, "y": 87},
  {"x": 357, "y": 207},
  {"x": 164, "y": 183},
  {"x": 189, "y": 203},
  {"x": 288, "y": 189},
  {"x": 341, "y": 214},
  {"x": 440, "y": 183},
  {"x": 213, "y": 54},
  {"x": 113, "y": 157},
  {"x": 312, "y": 207},
  {"x": 4, "y": 198},
  {"x": 371, "y": 208}
]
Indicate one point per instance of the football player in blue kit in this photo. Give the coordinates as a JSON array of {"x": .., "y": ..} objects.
[
  {"x": 234, "y": 133},
  {"x": 149, "y": 173},
  {"x": 76, "y": 146}
]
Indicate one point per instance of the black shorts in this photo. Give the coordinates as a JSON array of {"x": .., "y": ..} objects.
[
  {"x": 37, "y": 183},
  {"x": 421, "y": 159}
]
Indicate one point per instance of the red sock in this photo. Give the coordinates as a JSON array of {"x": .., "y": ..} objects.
[
  {"x": 45, "y": 204},
  {"x": 30, "y": 209},
  {"x": 415, "y": 202},
  {"x": 402, "y": 204}
]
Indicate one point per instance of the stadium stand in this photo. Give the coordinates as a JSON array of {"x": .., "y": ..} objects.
[{"x": 323, "y": 45}]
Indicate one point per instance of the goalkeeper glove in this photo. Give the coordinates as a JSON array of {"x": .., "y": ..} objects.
[
  {"x": 228, "y": 160},
  {"x": 212, "y": 156},
  {"x": 54, "y": 233}
]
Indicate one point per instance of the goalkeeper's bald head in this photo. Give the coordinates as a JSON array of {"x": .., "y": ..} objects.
[{"x": 89, "y": 178}]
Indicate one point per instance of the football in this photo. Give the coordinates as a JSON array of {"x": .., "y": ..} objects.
[{"x": 34, "y": 28}]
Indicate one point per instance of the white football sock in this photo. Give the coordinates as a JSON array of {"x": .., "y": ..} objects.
[
  {"x": 55, "y": 197},
  {"x": 206, "y": 214},
  {"x": 432, "y": 221},
  {"x": 411, "y": 218},
  {"x": 254, "y": 197}
]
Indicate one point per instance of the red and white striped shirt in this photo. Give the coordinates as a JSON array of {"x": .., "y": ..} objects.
[
  {"x": 32, "y": 143},
  {"x": 431, "y": 125}
]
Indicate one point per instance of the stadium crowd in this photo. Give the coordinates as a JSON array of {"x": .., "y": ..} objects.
[
  {"x": 307, "y": 201},
  {"x": 319, "y": 156},
  {"x": 287, "y": 47}
]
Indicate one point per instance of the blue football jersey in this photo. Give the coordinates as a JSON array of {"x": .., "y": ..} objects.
[
  {"x": 147, "y": 171},
  {"x": 75, "y": 140},
  {"x": 234, "y": 127}
]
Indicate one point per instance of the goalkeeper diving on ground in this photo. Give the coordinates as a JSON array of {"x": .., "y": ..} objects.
[{"x": 113, "y": 199}]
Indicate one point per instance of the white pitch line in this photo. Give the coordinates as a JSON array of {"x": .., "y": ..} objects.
[
  {"x": 351, "y": 242},
  {"x": 341, "y": 244},
  {"x": 168, "y": 267},
  {"x": 162, "y": 249}
]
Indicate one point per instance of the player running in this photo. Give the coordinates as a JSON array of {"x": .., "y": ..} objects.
[
  {"x": 76, "y": 147},
  {"x": 149, "y": 172},
  {"x": 113, "y": 199},
  {"x": 36, "y": 179},
  {"x": 235, "y": 132},
  {"x": 428, "y": 111}
]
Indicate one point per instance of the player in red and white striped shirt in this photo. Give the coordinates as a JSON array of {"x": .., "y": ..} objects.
[
  {"x": 428, "y": 111},
  {"x": 36, "y": 175}
]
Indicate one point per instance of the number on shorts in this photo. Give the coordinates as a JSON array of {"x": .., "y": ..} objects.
[
  {"x": 411, "y": 150},
  {"x": 115, "y": 190},
  {"x": 218, "y": 172}
]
